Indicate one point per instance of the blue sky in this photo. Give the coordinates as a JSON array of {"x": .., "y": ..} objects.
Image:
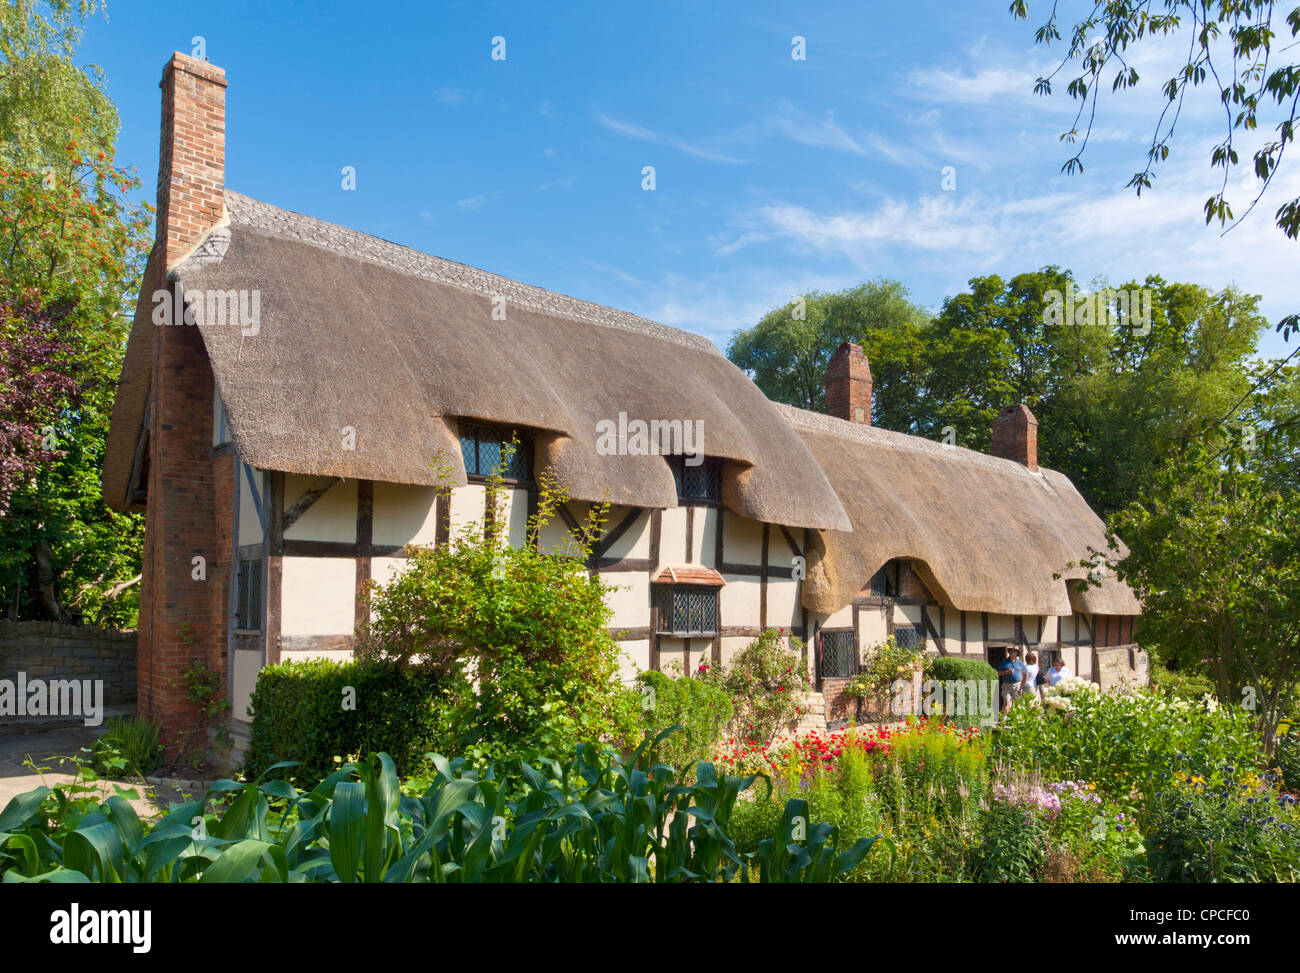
[{"x": 773, "y": 176}]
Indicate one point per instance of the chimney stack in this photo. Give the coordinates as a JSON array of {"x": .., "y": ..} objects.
[
  {"x": 848, "y": 384},
  {"x": 192, "y": 155},
  {"x": 1015, "y": 436}
]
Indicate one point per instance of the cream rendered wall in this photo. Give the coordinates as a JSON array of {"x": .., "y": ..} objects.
[
  {"x": 514, "y": 514},
  {"x": 672, "y": 539},
  {"x": 703, "y": 536},
  {"x": 635, "y": 542},
  {"x": 246, "y": 666},
  {"x": 738, "y": 600},
  {"x": 333, "y": 517},
  {"x": 782, "y": 603},
  {"x": 318, "y": 596},
  {"x": 250, "y": 527},
  {"x": 467, "y": 505},
  {"x": 742, "y": 540},
  {"x": 635, "y": 658},
  {"x": 873, "y": 627},
  {"x": 1002, "y": 628},
  {"x": 404, "y": 514},
  {"x": 631, "y": 600}
]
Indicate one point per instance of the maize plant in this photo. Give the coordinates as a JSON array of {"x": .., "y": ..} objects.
[{"x": 594, "y": 818}]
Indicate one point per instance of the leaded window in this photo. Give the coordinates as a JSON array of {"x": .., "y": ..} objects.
[
  {"x": 688, "y": 610},
  {"x": 488, "y": 449},
  {"x": 248, "y": 595},
  {"x": 884, "y": 583},
  {"x": 907, "y": 637},
  {"x": 839, "y": 655},
  {"x": 698, "y": 483}
]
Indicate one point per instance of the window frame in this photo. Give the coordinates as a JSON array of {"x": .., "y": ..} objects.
[
  {"x": 714, "y": 467},
  {"x": 665, "y": 592},
  {"x": 822, "y": 657},
  {"x": 500, "y": 434},
  {"x": 249, "y": 593}
]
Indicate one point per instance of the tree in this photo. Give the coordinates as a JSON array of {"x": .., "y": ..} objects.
[
  {"x": 68, "y": 239},
  {"x": 1215, "y": 556},
  {"x": 786, "y": 353},
  {"x": 1229, "y": 47}
]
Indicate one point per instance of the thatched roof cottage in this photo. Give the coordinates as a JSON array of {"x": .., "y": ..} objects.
[{"x": 291, "y": 388}]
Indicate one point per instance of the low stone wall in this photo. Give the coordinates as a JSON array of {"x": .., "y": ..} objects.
[
  {"x": 51, "y": 651},
  {"x": 1121, "y": 666}
]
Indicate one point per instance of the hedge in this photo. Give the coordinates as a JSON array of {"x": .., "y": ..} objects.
[
  {"x": 313, "y": 711},
  {"x": 945, "y": 668}
]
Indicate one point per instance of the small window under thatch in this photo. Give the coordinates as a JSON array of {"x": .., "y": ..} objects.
[
  {"x": 488, "y": 449},
  {"x": 697, "y": 484}
]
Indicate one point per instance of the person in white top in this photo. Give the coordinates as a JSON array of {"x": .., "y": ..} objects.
[
  {"x": 1058, "y": 671},
  {"x": 1029, "y": 681}
]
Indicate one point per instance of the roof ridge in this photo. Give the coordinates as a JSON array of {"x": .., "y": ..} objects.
[
  {"x": 248, "y": 212},
  {"x": 821, "y": 422}
]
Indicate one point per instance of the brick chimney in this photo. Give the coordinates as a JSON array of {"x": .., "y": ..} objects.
[
  {"x": 188, "y": 545},
  {"x": 192, "y": 154},
  {"x": 1015, "y": 436},
  {"x": 848, "y": 384}
]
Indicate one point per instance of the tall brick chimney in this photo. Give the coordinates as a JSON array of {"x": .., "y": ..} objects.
[
  {"x": 848, "y": 384},
  {"x": 192, "y": 154},
  {"x": 184, "y": 586},
  {"x": 1015, "y": 436}
]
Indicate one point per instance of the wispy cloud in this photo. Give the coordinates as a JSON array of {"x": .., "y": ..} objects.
[{"x": 641, "y": 133}]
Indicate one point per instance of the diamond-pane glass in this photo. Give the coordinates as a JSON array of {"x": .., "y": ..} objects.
[
  {"x": 688, "y": 611},
  {"x": 908, "y": 638},
  {"x": 484, "y": 447},
  {"x": 839, "y": 655},
  {"x": 698, "y": 482},
  {"x": 248, "y": 595},
  {"x": 469, "y": 451},
  {"x": 489, "y": 456}
]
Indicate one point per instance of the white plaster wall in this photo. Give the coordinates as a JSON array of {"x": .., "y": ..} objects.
[
  {"x": 317, "y": 596},
  {"x": 631, "y": 600},
  {"x": 782, "y": 603},
  {"x": 742, "y": 541},
  {"x": 250, "y": 526},
  {"x": 873, "y": 627},
  {"x": 467, "y": 504},
  {"x": 247, "y": 664},
  {"x": 404, "y": 514},
  {"x": 333, "y": 517},
  {"x": 738, "y": 600},
  {"x": 635, "y": 541},
  {"x": 514, "y": 514},
  {"x": 635, "y": 658},
  {"x": 672, "y": 540},
  {"x": 1002, "y": 628},
  {"x": 704, "y": 545}
]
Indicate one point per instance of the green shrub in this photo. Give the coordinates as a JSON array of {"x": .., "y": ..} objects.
[
  {"x": 946, "y": 669},
  {"x": 523, "y": 635},
  {"x": 701, "y": 708},
  {"x": 764, "y": 681},
  {"x": 129, "y": 744},
  {"x": 1014, "y": 843},
  {"x": 314, "y": 711},
  {"x": 1128, "y": 742},
  {"x": 1184, "y": 685},
  {"x": 1233, "y": 831},
  {"x": 1286, "y": 758}
]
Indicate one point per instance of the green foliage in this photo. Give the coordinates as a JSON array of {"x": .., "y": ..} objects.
[
  {"x": 1127, "y": 743},
  {"x": 129, "y": 744},
  {"x": 1216, "y": 555},
  {"x": 590, "y": 819},
  {"x": 700, "y": 707},
  {"x": 1181, "y": 684},
  {"x": 967, "y": 697},
  {"x": 1232, "y": 47},
  {"x": 764, "y": 681},
  {"x": 1013, "y": 843},
  {"x": 317, "y": 712},
  {"x": 69, "y": 235},
  {"x": 885, "y": 663},
  {"x": 1230, "y": 831},
  {"x": 519, "y": 634}
]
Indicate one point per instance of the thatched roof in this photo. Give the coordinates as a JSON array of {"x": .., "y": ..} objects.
[
  {"x": 985, "y": 533},
  {"x": 358, "y": 332}
]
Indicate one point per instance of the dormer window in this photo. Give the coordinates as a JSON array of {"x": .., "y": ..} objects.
[
  {"x": 701, "y": 483},
  {"x": 483, "y": 447}
]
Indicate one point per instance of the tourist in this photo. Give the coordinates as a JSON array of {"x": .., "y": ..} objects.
[
  {"x": 1029, "y": 681},
  {"x": 1058, "y": 671},
  {"x": 1010, "y": 674}
]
